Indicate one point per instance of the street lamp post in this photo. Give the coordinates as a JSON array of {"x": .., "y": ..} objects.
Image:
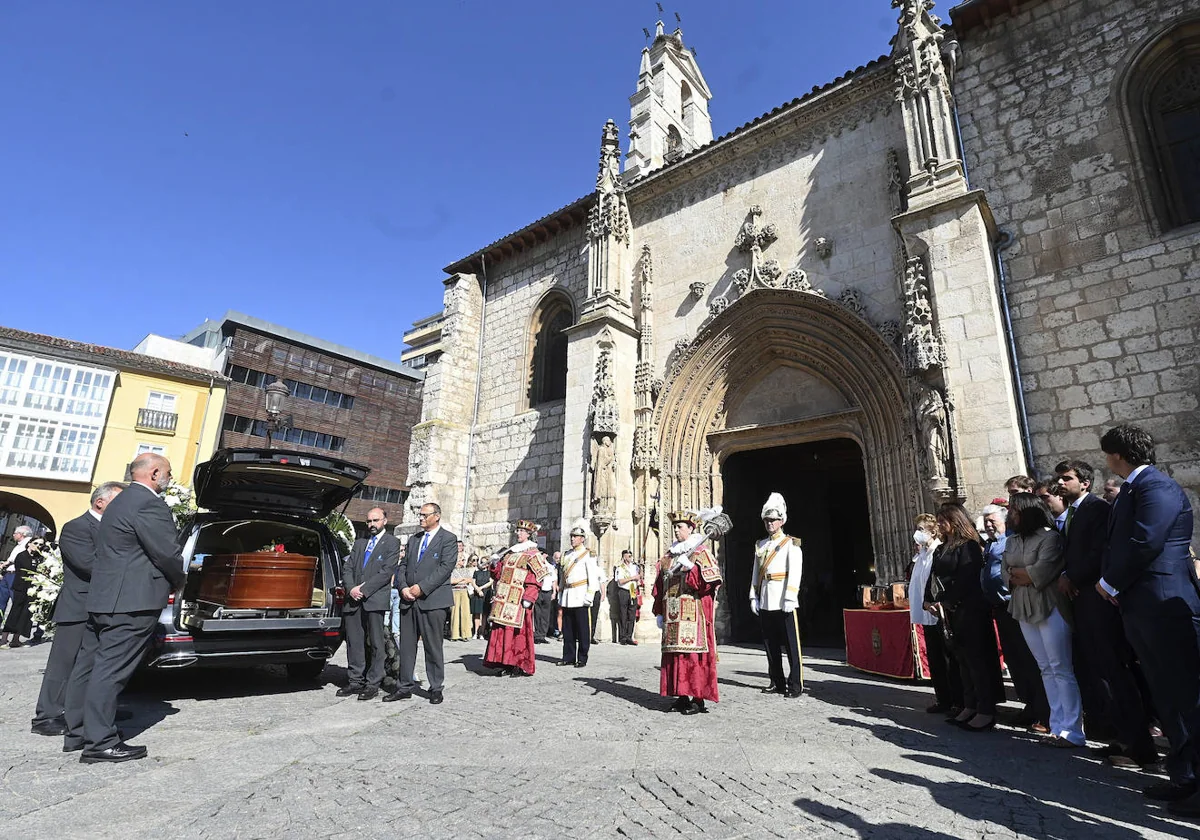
[{"x": 276, "y": 394}]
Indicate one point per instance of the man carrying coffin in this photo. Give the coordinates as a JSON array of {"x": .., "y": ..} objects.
[
  {"x": 580, "y": 581},
  {"x": 775, "y": 597},
  {"x": 684, "y": 591},
  {"x": 518, "y": 575}
]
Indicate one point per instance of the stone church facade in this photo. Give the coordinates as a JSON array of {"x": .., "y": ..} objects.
[{"x": 836, "y": 300}]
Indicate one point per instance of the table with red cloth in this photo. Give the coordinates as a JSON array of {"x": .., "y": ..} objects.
[{"x": 886, "y": 642}]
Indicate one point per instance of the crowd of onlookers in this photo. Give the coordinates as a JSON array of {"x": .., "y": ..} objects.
[{"x": 1092, "y": 598}]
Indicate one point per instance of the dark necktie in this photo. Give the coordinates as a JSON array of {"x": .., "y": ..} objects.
[{"x": 1070, "y": 515}]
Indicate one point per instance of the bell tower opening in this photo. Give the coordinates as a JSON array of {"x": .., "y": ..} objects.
[{"x": 824, "y": 484}]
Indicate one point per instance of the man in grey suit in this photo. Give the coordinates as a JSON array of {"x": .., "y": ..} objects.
[
  {"x": 78, "y": 546},
  {"x": 425, "y": 600},
  {"x": 138, "y": 564},
  {"x": 367, "y": 573}
]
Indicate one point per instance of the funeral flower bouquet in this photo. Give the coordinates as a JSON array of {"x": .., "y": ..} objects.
[
  {"x": 341, "y": 527},
  {"x": 46, "y": 581},
  {"x": 182, "y": 502}
]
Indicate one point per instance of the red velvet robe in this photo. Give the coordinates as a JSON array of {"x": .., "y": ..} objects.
[
  {"x": 689, "y": 674},
  {"x": 508, "y": 645}
]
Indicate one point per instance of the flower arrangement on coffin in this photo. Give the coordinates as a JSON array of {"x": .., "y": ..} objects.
[
  {"x": 342, "y": 528},
  {"x": 182, "y": 502},
  {"x": 47, "y": 579}
]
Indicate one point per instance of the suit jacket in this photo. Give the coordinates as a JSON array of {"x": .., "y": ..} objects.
[
  {"x": 1086, "y": 540},
  {"x": 1150, "y": 527},
  {"x": 432, "y": 573},
  {"x": 78, "y": 546},
  {"x": 375, "y": 577},
  {"x": 138, "y": 562}
]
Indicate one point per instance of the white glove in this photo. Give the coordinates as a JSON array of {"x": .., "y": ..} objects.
[
  {"x": 790, "y": 606},
  {"x": 754, "y": 605},
  {"x": 526, "y": 604},
  {"x": 684, "y": 564},
  {"x": 658, "y": 619}
]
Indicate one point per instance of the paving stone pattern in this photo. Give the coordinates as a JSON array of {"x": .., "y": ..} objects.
[{"x": 590, "y": 753}]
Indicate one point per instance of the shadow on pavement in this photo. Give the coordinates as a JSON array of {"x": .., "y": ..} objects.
[
  {"x": 892, "y": 831},
  {"x": 220, "y": 684},
  {"x": 620, "y": 688}
]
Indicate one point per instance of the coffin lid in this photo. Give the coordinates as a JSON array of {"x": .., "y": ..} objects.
[{"x": 276, "y": 481}]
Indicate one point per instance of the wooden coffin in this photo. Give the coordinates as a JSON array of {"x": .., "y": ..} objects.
[{"x": 262, "y": 581}]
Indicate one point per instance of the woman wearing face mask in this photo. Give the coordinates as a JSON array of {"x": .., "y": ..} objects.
[{"x": 947, "y": 688}]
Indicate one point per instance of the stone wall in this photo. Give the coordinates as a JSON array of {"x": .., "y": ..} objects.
[{"x": 1104, "y": 305}]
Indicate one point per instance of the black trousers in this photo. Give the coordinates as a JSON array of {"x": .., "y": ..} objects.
[
  {"x": 626, "y": 607},
  {"x": 978, "y": 660},
  {"x": 1022, "y": 666},
  {"x": 1167, "y": 643},
  {"x": 781, "y": 633},
  {"x": 64, "y": 650},
  {"x": 541, "y": 615},
  {"x": 113, "y": 645},
  {"x": 1100, "y": 636},
  {"x": 577, "y": 634},
  {"x": 595, "y": 614},
  {"x": 365, "y": 658},
  {"x": 427, "y": 624},
  {"x": 943, "y": 668}
]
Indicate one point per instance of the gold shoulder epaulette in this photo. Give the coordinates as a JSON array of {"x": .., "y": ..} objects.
[{"x": 796, "y": 541}]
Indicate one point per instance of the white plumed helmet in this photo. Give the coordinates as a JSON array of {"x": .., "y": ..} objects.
[{"x": 775, "y": 508}]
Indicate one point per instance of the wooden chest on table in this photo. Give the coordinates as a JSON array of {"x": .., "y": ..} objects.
[{"x": 264, "y": 581}]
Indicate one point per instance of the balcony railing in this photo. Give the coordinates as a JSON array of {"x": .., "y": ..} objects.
[{"x": 157, "y": 421}]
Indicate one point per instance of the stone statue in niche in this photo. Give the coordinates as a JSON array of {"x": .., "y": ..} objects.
[
  {"x": 935, "y": 435},
  {"x": 604, "y": 469}
]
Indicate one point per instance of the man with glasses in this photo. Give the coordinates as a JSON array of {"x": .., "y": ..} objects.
[
  {"x": 367, "y": 572},
  {"x": 1047, "y": 491},
  {"x": 426, "y": 596}
]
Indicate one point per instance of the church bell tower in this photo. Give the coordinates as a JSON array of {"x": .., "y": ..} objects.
[{"x": 668, "y": 115}]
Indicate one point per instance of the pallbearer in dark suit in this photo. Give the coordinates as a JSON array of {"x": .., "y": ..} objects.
[
  {"x": 367, "y": 574},
  {"x": 138, "y": 564},
  {"x": 1148, "y": 573},
  {"x": 426, "y": 596},
  {"x": 1099, "y": 633},
  {"x": 775, "y": 597},
  {"x": 78, "y": 546}
]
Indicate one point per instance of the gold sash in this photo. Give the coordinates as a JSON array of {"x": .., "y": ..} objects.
[{"x": 770, "y": 558}]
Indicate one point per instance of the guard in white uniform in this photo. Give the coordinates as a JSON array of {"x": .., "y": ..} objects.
[
  {"x": 775, "y": 597},
  {"x": 580, "y": 581}
]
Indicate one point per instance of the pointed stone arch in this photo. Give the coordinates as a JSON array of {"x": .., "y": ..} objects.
[{"x": 767, "y": 328}]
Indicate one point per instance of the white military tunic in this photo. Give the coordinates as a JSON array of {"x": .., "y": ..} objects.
[
  {"x": 778, "y": 567},
  {"x": 580, "y": 579}
]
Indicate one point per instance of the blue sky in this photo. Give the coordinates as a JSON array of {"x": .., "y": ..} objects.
[{"x": 316, "y": 164}]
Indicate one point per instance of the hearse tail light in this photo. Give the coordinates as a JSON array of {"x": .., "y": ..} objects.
[
  {"x": 339, "y": 595},
  {"x": 171, "y": 599}
]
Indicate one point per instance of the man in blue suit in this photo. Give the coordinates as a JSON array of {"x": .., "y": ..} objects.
[{"x": 1148, "y": 574}]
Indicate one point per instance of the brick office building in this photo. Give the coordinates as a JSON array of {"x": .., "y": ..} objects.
[{"x": 344, "y": 403}]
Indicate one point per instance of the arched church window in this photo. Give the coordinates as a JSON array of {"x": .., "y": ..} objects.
[
  {"x": 1164, "y": 104},
  {"x": 685, "y": 94},
  {"x": 548, "y": 361},
  {"x": 674, "y": 144}
]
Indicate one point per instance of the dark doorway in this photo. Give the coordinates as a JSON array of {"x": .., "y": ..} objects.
[{"x": 825, "y": 488}]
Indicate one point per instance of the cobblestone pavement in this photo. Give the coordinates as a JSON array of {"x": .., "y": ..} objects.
[{"x": 246, "y": 754}]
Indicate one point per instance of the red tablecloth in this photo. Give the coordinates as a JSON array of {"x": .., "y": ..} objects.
[{"x": 885, "y": 642}]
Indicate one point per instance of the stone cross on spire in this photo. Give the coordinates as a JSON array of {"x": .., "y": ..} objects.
[{"x": 752, "y": 238}]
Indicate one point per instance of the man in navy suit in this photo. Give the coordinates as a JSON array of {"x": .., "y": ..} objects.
[
  {"x": 1099, "y": 633},
  {"x": 1148, "y": 574}
]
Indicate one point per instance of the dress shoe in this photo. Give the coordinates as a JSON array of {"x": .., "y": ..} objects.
[
  {"x": 772, "y": 689},
  {"x": 1128, "y": 760},
  {"x": 369, "y": 693},
  {"x": 112, "y": 755},
  {"x": 539, "y": 641},
  {"x": 435, "y": 697},
  {"x": 696, "y": 707},
  {"x": 1189, "y": 807},
  {"x": 969, "y": 726},
  {"x": 397, "y": 695},
  {"x": 349, "y": 690},
  {"x": 1039, "y": 728},
  {"x": 581, "y": 664},
  {"x": 679, "y": 705},
  {"x": 563, "y": 662},
  {"x": 517, "y": 672},
  {"x": 793, "y": 693},
  {"x": 1059, "y": 743},
  {"x": 1170, "y": 791},
  {"x": 54, "y": 726}
]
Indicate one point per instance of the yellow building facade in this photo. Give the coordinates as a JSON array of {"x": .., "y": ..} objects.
[{"x": 74, "y": 415}]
